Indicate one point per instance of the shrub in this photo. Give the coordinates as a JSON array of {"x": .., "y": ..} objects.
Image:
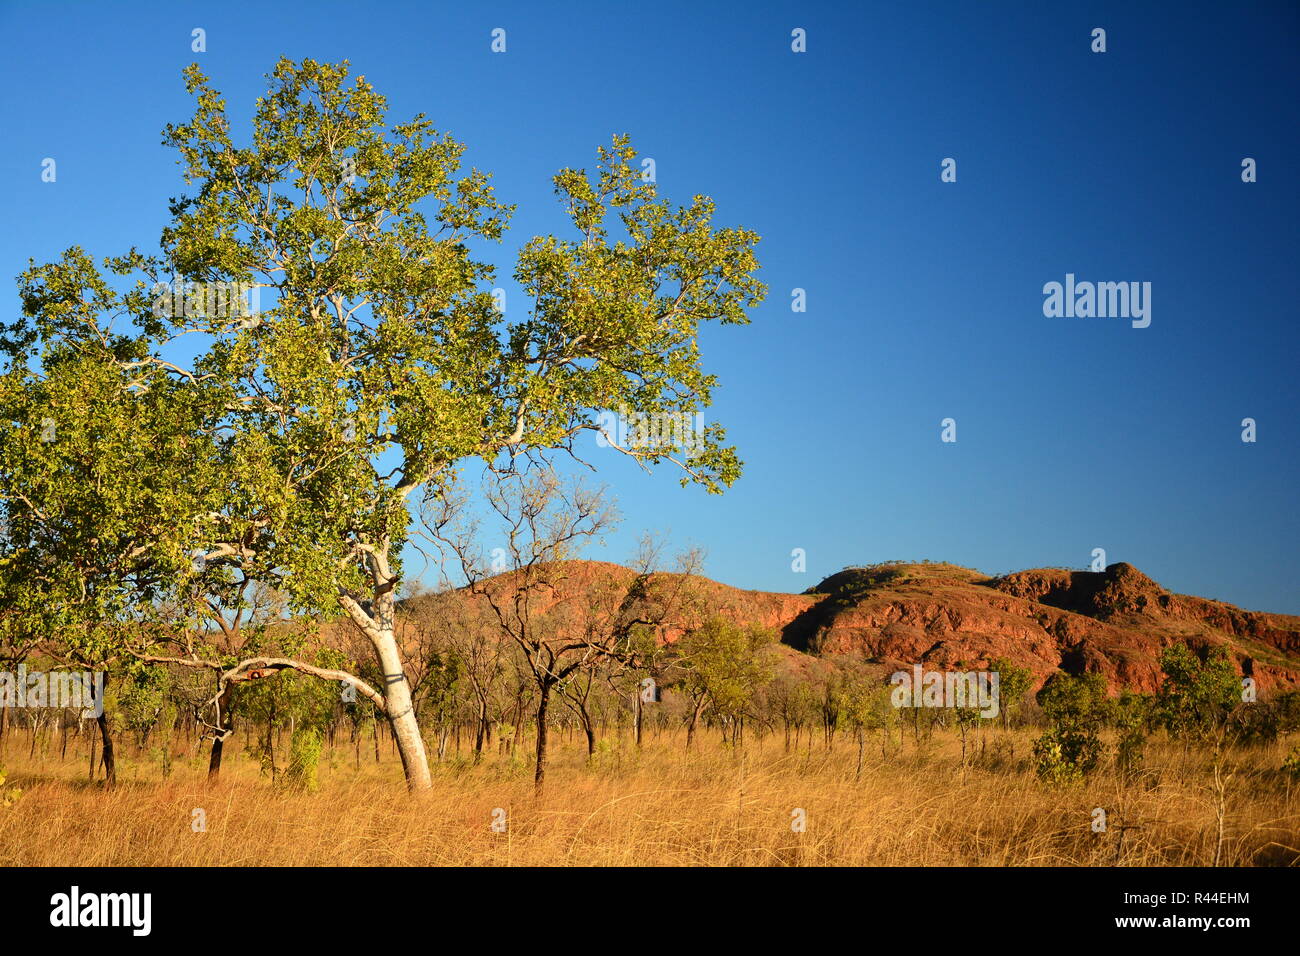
[
  {"x": 1131, "y": 716},
  {"x": 1290, "y": 766},
  {"x": 7, "y": 797},
  {"x": 1196, "y": 696},
  {"x": 1076, "y": 707},
  {"x": 304, "y": 758}
]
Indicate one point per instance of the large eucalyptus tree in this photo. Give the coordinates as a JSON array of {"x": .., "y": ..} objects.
[{"x": 376, "y": 364}]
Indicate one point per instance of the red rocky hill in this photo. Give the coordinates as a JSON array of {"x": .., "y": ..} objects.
[{"x": 1114, "y": 622}]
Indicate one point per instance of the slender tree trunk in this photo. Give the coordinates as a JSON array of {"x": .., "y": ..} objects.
[
  {"x": 110, "y": 765},
  {"x": 483, "y": 729},
  {"x": 106, "y": 738},
  {"x": 270, "y": 739},
  {"x": 219, "y": 741},
  {"x": 588, "y": 728},
  {"x": 543, "y": 702},
  {"x": 214, "y": 759},
  {"x": 695, "y": 719},
  {"x": 379, "y": 625},
  {"x": 519, "y": 726}
]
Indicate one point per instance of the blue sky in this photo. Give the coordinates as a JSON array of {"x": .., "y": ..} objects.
[{"x": 924, "y": 299}]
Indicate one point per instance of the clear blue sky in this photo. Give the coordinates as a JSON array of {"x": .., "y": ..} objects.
[{"x": 924, "y": 298}]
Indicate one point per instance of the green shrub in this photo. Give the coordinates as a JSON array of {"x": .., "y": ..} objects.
[
  {"x": 1131, "y": 716},
  {"x": 1290, "y": 766},
  {"x": 1196, "y": 696},
  {"x": 304, "y": 759},
  {"x": 7, "y": 797},
  {"x": 1076, "y": 707}
]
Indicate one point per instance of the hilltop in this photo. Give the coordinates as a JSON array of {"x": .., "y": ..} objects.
[{"x": 1114, "y": 622}]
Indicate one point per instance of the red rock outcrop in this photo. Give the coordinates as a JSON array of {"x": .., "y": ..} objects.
[{"x": 1114, "y": 623}]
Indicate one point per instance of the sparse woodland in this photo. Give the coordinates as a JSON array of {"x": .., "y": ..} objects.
[
  {"x": 214, "y": 511},
  {"x": 739, "y": 739}
]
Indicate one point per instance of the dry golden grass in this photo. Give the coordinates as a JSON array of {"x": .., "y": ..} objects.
[{"x": 660, "y": 807}]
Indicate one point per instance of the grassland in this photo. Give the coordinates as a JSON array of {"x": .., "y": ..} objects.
[{"x": 918, "y": 805}]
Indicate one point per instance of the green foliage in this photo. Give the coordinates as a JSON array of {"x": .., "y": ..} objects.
[
  {"x": 1290, "y": 766},
  {"x": 144, "y": 701},
  {"x": 377, "y": 365},
  {"x": 864, "y": 703},
  {"x": 1196, "y": 697},
  {"x": 1059, "y": 757},
  {"x": 304, "y": 759},
  {"x": 1013, "y": 683},
  {"x": 7, "y": 797},
  {"x": 290, "y": 696},
  {"x": 727, "y": 663},
  {"x": 1131, "y": 715},
  {"x": 442, "y": 685},
  {"x": 1077, "y": 707}
]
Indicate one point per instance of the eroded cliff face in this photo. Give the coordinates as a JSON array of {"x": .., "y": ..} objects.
[{"x": 1114, "y": 623}]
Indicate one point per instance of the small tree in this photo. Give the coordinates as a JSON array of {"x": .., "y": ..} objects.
[
  {"x": 304, "y": 758},
  {"x": 542, "y": 524},
  {"x": 1077, "y": 708},
  {"x": 791, "y": 701},
  {"x": 865, "y": 706},
  {"x": 725, "y": 666},
  {"x": 1196, "y": 697},
  {"x": 1131, "y": 715},
  {"x": 1013, "y": 683}
]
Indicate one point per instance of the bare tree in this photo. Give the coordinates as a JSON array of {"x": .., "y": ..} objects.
[
  {"x": 470, "y": 631},
  {"x": 564, "y": 619},
  {"x": 544, "y": 522}
]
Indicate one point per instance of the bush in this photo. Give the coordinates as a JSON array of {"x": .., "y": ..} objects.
[
  {"x": 1131, "y": 715},
  {"x": 7, "y": 797},
  {"x": 1290, "y": 766},
  {"x": 1076, "y": 707},
  {"x": 1061, "y": 757},
  {"x": 1196, "y": 696},
  {"x": 304, "y": 758}
]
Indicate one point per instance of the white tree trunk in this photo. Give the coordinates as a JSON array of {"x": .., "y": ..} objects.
[
  {"x": 401, "y": 713},
  {"x": 379, "y": 625}
]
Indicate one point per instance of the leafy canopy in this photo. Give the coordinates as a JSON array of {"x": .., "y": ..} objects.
[{"x": 284, "y": 446}]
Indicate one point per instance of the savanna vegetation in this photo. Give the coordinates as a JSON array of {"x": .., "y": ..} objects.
[
  {"x": 212, "y": 506},
  {"x": 824, "y": 772}
]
